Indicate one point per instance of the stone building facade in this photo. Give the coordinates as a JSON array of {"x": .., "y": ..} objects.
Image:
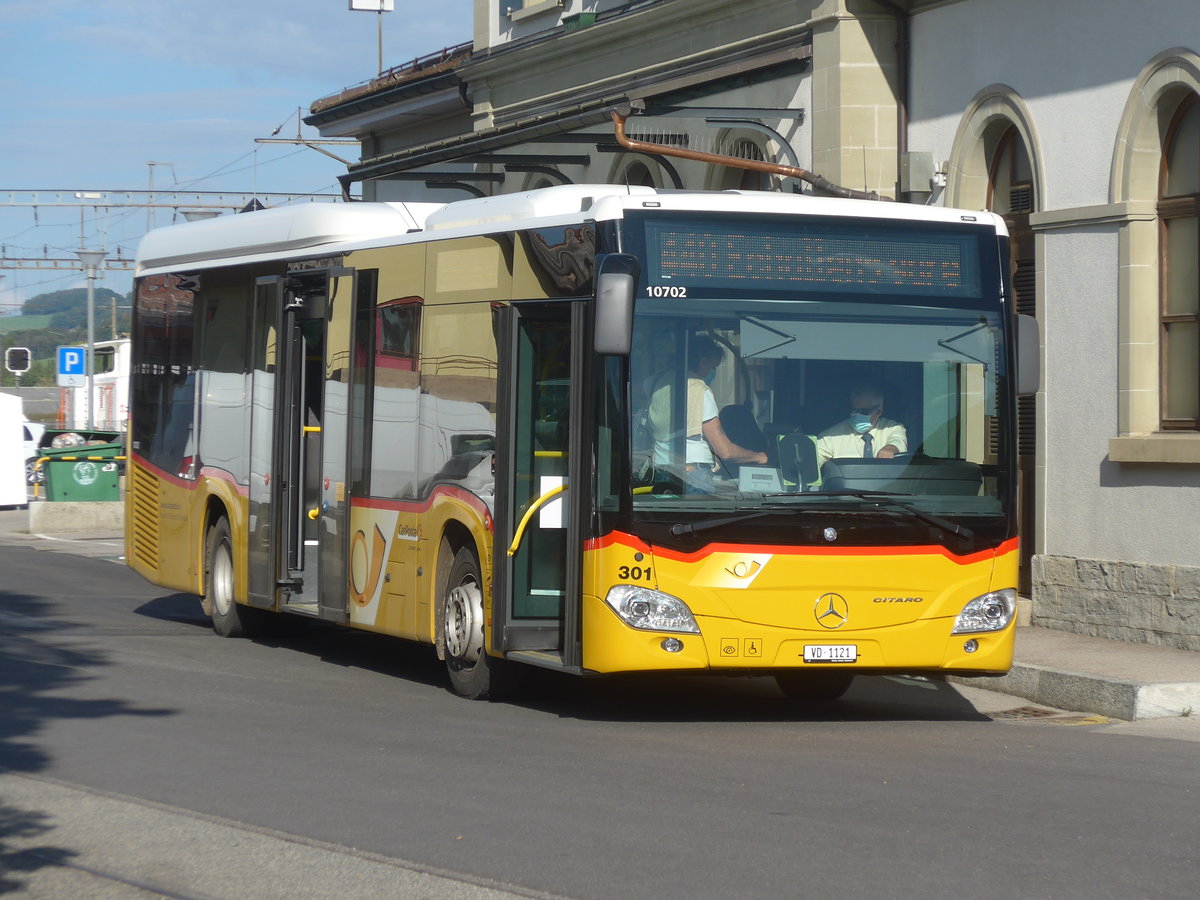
[{"x": 1077, "y": 120}]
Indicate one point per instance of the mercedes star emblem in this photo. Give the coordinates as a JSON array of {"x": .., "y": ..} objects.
[{"x": 831, "y": 611}]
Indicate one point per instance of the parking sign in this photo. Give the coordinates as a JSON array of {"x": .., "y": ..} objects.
[{"x": 72, "y": 367}]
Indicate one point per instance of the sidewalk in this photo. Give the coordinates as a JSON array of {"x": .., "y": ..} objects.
[
  {"x": 83, "y": 529},
  {"x": 1052, "y": 668},
  {"x": 65, "y": 840},
  {"x": 1110, "y": 678}
]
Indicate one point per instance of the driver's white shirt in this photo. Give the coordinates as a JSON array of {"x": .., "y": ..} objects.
[{"x": 842, "y": 441}]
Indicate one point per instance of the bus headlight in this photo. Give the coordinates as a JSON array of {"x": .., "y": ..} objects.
[
  {"x": 989, "y": 612},
  {"x": 649, "y": 610}
]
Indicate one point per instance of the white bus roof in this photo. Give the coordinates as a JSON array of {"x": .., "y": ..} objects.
[
  {"x": 298, "y": 230},
  {"x": 302, "y": 231}
]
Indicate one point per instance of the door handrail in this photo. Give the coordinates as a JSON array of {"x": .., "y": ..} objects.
[{"x": 534, "y": 507}]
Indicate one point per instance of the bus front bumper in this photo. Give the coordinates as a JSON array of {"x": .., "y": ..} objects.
[{"x": 730, "y": 646}]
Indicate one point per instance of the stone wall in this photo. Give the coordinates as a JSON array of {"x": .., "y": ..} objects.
[
  {"x": 1127, "y": 601},
  {"x": 40, "y": 404}
]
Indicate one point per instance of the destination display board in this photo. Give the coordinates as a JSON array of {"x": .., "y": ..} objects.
[{"x": 855, "y": 256}]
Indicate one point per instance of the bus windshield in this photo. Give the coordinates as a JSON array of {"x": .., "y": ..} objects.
[{"x": 820, "y": 381}]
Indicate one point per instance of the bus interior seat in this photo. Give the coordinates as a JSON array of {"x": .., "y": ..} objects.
[
  {"x": 775, "y": 430},
  {"x": 742, "y": 428}
]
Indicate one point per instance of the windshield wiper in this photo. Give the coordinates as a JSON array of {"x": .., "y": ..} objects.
[
  {"x": 893, "y": 499},
  {"x": 692, "y": 527}
]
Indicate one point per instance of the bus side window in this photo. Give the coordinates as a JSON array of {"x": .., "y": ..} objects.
[
  {"x": 398, "y": 326},
  {"x": 397, "y": 399}
]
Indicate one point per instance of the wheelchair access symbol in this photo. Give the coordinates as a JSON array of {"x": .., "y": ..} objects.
[
  {"x": 748, "y": 647},
  {"x": 72, "y": 367}
]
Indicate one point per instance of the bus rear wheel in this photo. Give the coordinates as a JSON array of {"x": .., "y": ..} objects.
[
  {"x": 228, "y": 618},
  {"x": 473, "y": 673},
  {"x": 814, "y": 686}
]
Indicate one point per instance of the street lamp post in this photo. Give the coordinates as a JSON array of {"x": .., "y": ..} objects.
[{"x": 91, "y": 260}]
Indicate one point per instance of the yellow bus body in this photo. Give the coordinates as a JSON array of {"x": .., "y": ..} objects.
[
  {"x": 165, "y": 527},
  {"x": 393, "y": 549},
  {"x": 757, "y": 607},
  {"x": 394, "y": 553}
]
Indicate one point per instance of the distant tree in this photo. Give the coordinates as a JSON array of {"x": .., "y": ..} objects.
[
  {"x": 68, "y": 327},
  {"x": 68, "y": 309}
]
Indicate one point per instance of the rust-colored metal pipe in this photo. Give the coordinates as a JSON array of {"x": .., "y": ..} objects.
[{"x": 755, "y": 165}]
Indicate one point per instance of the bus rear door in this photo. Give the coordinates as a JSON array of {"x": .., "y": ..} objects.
[{"x": 297, "y": 447}]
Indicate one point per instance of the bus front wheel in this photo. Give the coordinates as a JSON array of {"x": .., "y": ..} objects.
[
  {"x": 228, "y": 619},
  {"x": 815, "y": 686},
  {"x": 472, "y": 672}
]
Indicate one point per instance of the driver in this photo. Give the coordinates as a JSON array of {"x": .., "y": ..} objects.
[{"x": 865, "y": 433}]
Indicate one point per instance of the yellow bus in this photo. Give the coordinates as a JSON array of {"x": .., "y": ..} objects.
[{"x": 590, "y": 428}]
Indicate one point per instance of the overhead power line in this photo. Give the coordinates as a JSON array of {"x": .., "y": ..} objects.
[{"x": 163, "y": 199}]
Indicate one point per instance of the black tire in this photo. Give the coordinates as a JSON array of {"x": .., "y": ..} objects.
[
  {"x": 473, "y": 674},
  {"x": 33, "y": 475},
  {"x": 814, "y": 687},
  {"x": 228, "y": 618}
]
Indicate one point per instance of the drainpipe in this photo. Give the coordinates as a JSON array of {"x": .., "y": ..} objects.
[
  {"x": 717, "y": 159},
  {"x": 903, "y": 58}
]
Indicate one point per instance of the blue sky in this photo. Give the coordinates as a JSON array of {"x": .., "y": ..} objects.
[{"x": 93, "y": 90}]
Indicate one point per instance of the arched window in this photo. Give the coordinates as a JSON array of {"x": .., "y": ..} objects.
[
  {"x": 729, "y": 178},
  {"x": 638, "y": 173},
  {"x": 1011, "y": 194},
  {"x": 1179, "y": 259},
  {"x": 749, "y": 180},
  {"x": 1010, "y": 185}
]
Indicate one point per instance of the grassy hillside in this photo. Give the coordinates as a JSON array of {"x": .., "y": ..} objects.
[{"x": 23, "y": 323}]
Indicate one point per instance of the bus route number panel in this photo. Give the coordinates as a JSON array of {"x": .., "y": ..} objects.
[{"x": 830, "y": 653}]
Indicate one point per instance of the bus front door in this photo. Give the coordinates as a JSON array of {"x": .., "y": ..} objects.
[{"x": 536, "y": 609}]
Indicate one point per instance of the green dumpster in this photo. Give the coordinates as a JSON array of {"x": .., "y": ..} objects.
[{"x": 88, "y": 473}]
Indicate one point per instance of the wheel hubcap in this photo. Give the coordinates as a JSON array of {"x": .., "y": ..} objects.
[
  {"x": 464, "y": 622},
  {"x": 222, "y": 581}
]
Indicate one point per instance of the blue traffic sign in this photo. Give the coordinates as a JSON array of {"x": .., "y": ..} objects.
[
  {"x": 72, "y": 366},
  {"x": 72, "y": 361}
]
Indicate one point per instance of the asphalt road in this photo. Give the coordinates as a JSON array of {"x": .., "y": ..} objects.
[{"x": 327, "y": 754}]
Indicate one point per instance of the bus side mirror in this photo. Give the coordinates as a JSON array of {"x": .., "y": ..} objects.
[
  {"x": 1029, "y": 356},
  {"x": 616, "y": 282}
]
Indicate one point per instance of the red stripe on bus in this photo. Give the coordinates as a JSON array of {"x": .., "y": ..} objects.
[
  {"x": 420, "y": 506},
  {"x": 224, "y": 475},
  {"x": 414, "y": 506},
  {"x": 635, "y": 543},
  {"x": 189, "y": 484},
  {"x": 171, "y": 477}
]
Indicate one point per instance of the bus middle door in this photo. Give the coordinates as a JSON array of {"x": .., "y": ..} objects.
[{"x": 287, "y": 410}]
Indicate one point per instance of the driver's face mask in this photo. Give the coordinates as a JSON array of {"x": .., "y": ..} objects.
[{"x": 860, "y": 417}]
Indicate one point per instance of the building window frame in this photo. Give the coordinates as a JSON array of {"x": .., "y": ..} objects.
[{"x": 1179, "y": 294}]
